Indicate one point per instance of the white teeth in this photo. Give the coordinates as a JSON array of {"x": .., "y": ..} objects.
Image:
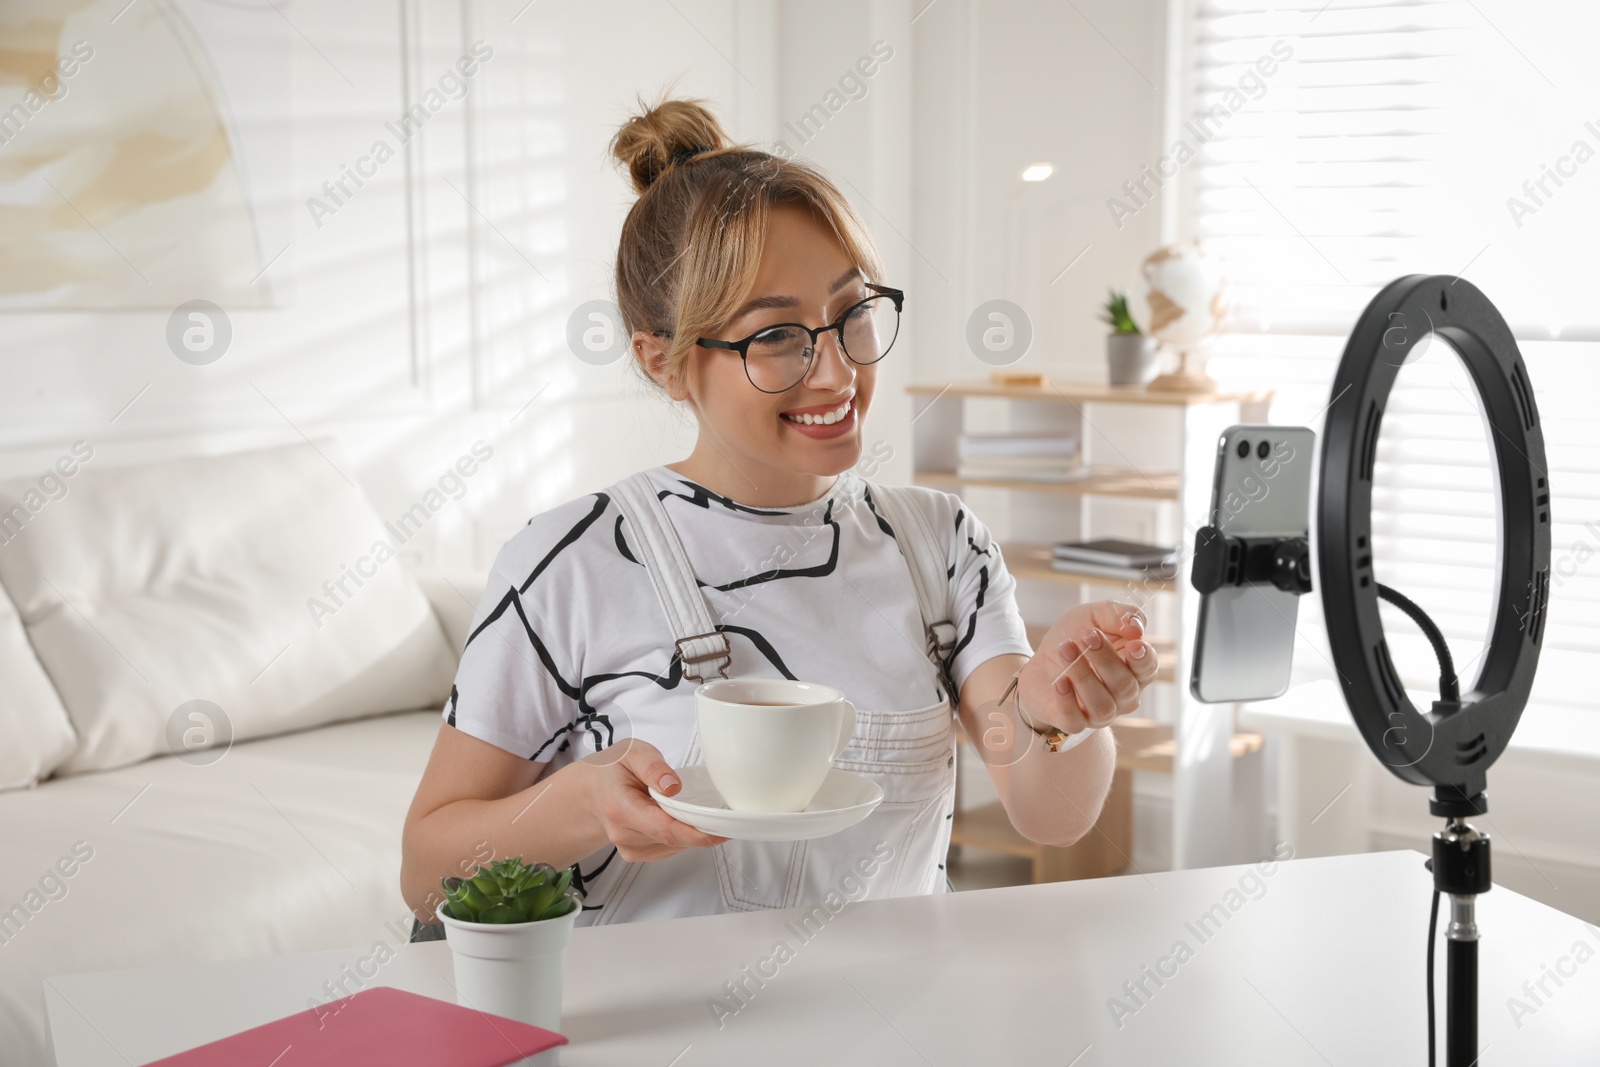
[{"x": 822, "y": 420}]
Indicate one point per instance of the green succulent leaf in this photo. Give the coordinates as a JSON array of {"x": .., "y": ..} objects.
[
  {"x": 456, "y": 906},
  {"x": 499, "y": 913},
  {"x": 533, "y": 902},
  {"x": 475, "y": 898}
]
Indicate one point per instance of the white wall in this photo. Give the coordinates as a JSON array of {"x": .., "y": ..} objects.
[{"x": 430, "y": 309}]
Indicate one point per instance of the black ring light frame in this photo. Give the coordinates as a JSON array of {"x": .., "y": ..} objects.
[{"x": 1451, "y": 746}]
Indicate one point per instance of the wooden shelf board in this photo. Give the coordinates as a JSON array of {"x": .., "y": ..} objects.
[
  {"x": 1032, "y": 559},
  {"x": 1100, "y": 481},
  {"x": 1081, "y": 392}
]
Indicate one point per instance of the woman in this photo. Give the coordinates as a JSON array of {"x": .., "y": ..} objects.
[{"x": 753, "y": 294}]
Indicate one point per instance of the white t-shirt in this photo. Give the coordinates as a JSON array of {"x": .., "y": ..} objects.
[{"x": 570, "y": 650}]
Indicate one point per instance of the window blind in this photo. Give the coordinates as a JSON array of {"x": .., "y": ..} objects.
[{"x": 1335, "y": 147}]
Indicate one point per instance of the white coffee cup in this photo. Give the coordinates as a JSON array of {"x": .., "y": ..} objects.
[{"x": 769, "y": 742}]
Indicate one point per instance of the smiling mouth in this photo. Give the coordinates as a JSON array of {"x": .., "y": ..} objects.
[{"x": 827, "y": 418}]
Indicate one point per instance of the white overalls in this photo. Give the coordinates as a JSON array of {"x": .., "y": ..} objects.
[{"x": 911, "y": 754}]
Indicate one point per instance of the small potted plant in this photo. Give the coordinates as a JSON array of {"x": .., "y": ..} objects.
[
  {"x": 1131, "y": 355},
  {"x": 508, "y": 926}
]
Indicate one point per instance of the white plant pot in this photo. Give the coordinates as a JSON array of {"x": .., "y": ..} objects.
[
  {"x": 1131, "y": 358},
  {"x": 511, "y": 969}
]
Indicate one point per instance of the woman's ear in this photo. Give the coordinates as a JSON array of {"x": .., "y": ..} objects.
[{"x": 651, "y": 352}]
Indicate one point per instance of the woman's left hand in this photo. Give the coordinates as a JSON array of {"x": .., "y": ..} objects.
[{"x": 1091, "y": 666}]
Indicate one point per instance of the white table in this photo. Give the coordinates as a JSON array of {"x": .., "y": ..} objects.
[{"x": 1322, "y": 965}]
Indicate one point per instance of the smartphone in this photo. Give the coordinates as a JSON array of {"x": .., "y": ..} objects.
[{"x": 1244, "y": 640}]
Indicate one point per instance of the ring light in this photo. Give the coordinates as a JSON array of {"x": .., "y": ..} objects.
[{"x": 1452, "y": 746}]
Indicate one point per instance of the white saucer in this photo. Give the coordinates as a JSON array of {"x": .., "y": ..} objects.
[{"x": 843, "y": 800}]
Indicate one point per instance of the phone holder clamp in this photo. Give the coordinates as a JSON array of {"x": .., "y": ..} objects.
[{"x": 1221, "y": 559}]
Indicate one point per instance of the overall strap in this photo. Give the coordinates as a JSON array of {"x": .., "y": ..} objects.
[
  {"x": 703, "y": 649},
  {"x": 925, "y": 556}
]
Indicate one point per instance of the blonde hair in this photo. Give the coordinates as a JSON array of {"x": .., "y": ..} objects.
[{"x": 691, "y": 245}]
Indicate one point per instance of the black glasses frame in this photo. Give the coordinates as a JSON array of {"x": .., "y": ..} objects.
[{"x": 743, "y": 346}]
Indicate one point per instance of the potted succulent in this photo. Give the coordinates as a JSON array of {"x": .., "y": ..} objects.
[
  {"x": 508, "y": 926},
  {"x": 1130, "y": 355}
]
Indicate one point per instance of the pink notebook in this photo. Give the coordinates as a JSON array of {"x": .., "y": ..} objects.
[{"x": 377, "y": 1025}]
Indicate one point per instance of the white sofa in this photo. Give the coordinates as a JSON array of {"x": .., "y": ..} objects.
[{"x": 148, "y": 612}]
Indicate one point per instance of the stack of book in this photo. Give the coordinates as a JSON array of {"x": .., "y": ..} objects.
[
  {"x": 1019, "y": 456},
  {"x": 1114, "y": 558}
]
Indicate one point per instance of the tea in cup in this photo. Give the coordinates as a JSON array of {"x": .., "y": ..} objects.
[{"x": 769, "y": 742}]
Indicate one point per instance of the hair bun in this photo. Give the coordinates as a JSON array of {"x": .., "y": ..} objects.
[{"x": 670, "y": 133}]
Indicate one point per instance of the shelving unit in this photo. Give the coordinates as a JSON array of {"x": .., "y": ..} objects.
[{"x": 1200, "y": 743}]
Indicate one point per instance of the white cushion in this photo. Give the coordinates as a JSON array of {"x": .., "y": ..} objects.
[
  {"x": 35, "y": 734},
  {"x": 287, "y": 844},
  {"x": 148, "y": 587},
  {"x": 454, "y": 593}
]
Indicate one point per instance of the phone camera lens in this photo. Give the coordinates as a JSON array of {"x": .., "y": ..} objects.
[
  {"x": 1262, "y": 449},
  {"x": 1244, "y": 449}
]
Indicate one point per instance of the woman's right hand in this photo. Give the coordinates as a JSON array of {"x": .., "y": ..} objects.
[{"x": 631, "y": 818}]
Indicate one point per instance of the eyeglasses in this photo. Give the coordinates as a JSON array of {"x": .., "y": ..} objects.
[{"x": 777, "y": 358}]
